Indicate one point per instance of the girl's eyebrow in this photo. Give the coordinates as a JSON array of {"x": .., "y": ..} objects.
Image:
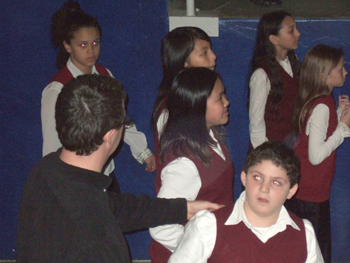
[{"x": 85, "y": 41}]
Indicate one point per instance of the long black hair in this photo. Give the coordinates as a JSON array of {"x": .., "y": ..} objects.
[
  {"x": 265, "y": 54},
  {"x": 186, "y": 133},
  {"x": 176, "y": 48}
]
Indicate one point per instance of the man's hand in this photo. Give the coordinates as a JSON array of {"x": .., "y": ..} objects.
[{"x": 194, "y": 206}]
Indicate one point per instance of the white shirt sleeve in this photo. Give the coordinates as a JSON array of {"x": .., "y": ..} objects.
[
  {"x": 180, "y": 178},
  {"x": 259, "y": 90},
  {"x": 316, "y": 128},
  {"x": 138, "y": 143},
  {"x": 48, "y": 123},
  {"x": 198, "y": 241},
  {"x": 314, "y": 254}
]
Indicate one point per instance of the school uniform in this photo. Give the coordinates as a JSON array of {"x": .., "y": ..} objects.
[
  {"x": 210, "y": 237},
  {"x": 316, "y": 150},
  {"x": 188, "y": 177},
  {"x": 265, "y": 123}
]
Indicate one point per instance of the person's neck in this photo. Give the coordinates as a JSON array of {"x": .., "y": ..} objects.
[
  {"x": 259, "y": 220},
  {"x": 281, "y": 55},
  {"x": 84, "y": 69},
  {"x": 93, "y": 162}
]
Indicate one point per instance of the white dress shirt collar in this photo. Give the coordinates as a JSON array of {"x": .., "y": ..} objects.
[
  {"x": 263, "y": 233},
  {"x": 285, "y": 64},
  {"x": 77, "y": 72}
]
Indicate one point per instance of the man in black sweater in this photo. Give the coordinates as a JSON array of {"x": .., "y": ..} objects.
[{"x": 69, "y": 211}]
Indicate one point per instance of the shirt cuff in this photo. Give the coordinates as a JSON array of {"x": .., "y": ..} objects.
[
  {"x": 142, "y": 156},
  {"x": 344, "y": 129}
]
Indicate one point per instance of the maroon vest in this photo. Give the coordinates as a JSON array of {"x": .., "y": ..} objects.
[
  {"x": 237, "y": 243},
  {"x": 64, "y": 75},
  {"x": 217, "y": 187},
  {"x": 315, "y": 180},
  {"x": 278, "y": 127}
]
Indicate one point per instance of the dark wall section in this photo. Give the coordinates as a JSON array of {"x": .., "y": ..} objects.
[{"x": 132, "y": 31}]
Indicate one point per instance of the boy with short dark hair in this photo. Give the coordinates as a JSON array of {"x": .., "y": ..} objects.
[
  {"x": 259, "y": 228},
  {"x": 68, "y": 211}
]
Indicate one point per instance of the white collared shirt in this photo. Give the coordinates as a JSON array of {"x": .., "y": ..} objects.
[
  {"x": 260, "y": 87},
  {"x": 198, "y": 241}
]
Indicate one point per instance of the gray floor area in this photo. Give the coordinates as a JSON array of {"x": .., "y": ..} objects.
[{"x": 246, "y": 9}]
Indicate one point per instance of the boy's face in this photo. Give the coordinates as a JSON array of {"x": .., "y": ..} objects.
[{"x": 267, "y": 188}]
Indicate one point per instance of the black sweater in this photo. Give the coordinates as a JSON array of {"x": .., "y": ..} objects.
[{"x": 68, "y": 215}]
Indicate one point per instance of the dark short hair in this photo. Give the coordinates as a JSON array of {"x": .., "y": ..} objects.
[
  {"x": 86, "y": 109},
  {"x": 278, "y": 153}
]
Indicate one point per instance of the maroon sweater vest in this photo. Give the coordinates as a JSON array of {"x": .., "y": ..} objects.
[
  {"x": 237, "y": 243},
  {"x": 217, "y": 187},
  {"x": 64, "y": 75},
  {"x": 315, "y": 180},
  {"x": 278, "y": 127}
]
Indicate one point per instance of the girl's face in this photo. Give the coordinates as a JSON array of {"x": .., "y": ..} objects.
[
  {"x": 201, "y": 56},
  {"x": 84, "y": 48},
  {"x": 336, "y": 77},
  {"x": 288, "y": 36},
  {"x": 217, "y": 106}
]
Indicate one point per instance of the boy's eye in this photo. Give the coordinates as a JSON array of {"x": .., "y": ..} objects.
[
  {"x": 275, "y": 182},
  {"x": 96, "y": 43},
  {"x": 82, "y": 45},
  {"x": 256, "y": 177}
]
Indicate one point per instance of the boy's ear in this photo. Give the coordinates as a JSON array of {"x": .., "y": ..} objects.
[
  {"x": 292, "y": 191},
  {"x": 243, "y": 178},
  {"x": 273, "y": 39},
  {"x": 67, "y": 46}
]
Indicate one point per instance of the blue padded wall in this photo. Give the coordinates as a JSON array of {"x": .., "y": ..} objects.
[{"x": 132, "y": 32}]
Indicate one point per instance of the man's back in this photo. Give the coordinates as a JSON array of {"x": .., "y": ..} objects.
[{"x": 65, "y": 216}]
